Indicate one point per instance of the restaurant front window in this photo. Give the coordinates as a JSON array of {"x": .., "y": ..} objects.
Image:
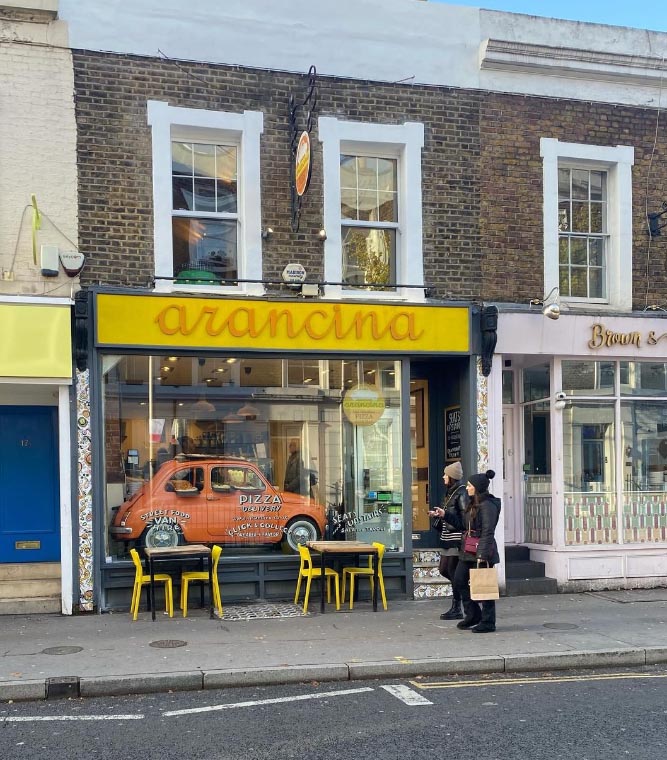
[{"x": 255, "y": 454}]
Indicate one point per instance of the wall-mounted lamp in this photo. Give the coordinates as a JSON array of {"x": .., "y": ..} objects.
[
  {"x": 550, "y": 304},
  {"x": 322, "y": 235},
  {"x": 560, "y": 401},
  {"x": 652, "y": 219},
  {"x": 267, "y": 233}
]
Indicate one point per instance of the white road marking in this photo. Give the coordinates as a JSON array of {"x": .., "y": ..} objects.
[
  {"x": 536, "y": 680},
  {"x": 406, "y": 695},
  {"x": 277, "y": 700},
  {"x": 30, "y": 718}
]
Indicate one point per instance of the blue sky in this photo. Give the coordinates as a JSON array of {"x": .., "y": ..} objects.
[{"x": 642, "y": 14}]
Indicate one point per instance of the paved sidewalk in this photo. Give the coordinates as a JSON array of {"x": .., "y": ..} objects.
[{"x": 92, "y": 655}]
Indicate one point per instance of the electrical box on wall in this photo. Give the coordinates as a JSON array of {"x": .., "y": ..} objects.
[{"x": 49, "y": 260}]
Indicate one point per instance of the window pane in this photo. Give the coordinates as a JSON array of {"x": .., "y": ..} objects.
[
  {"x": 508, "y": 386},
  {"x": 225, "y": 163},
  {"x": 181, "y": 158},
  {"x": 368, "y": 256},
  {"x": 580, "y": 222},
  {"x": 204, "y": 250},
  {"x": 387, "y": 207},
  {"x": 227, "y": 194},
  {"x": 300, "y": 372},
  {"x": 589, "y": 475},
  {"x": 564, "y": 281},
  {"x": 367, "y": 173},
  {"x": 644, "y": 378},
  {"x": 579, "y": 282},
  {"x": 348, "y": 172},
  {"x": 580, "y": 184},
  {"x": 596, "y": 283},
  {"x": 564, "y": 216},
  {"x": 536, "y": 382},
  {"x": 587, "y": 378},
  {"x": 182, "y": 193},
  {"x": 596, "y": 252},
  {"x": 563, "y": 184},
  {"x": 644, "y": 446},
  {"x": 204, "y": 195},
  {"x": 564, "y": 250},
  {"x": 578, "y": 251},
  {"x": 203, "y": 157},
  {"x": 367, "y": 210},
  {"x": 596, "y": 218},
  {"x": 387, "y": 175},
  {"x": 598, "y": 186},
  {"x": 348, "y": 203}
]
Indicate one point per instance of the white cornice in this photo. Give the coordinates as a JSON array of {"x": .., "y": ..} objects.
[{"x": 576, "y": 63}]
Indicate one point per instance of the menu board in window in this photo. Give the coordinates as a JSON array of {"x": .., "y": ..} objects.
[{"x": 453, "y": 433}]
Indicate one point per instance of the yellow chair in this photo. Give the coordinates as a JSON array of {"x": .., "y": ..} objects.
[
  {"x": 141, "y": 580},
  {"x": 309, "y": 572},
  {"x": 366, "y": 572},
  {"x": 202, "y": 575}
]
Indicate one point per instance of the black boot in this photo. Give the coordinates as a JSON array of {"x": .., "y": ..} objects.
[
  {"x": 487, "y": 623},
  {"x": 473, "y": 616},
  {"x": 454, "y": 612},
  {"x": 483, "y": 628}
]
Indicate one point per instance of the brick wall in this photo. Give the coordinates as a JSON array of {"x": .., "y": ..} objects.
[
  {"x": 115, "y": 162},
  {"x": 511, "y": 190}
]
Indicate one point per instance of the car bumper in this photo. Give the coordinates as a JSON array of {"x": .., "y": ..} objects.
[{"x": 120, "y": 532}]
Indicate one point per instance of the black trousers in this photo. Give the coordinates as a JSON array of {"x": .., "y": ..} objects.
[
  {"x": 448, "y": 566},
  {"x": 487, "y": 613}
]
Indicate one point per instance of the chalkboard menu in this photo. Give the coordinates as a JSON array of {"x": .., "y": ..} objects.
[{"x": 452, "y": 433}]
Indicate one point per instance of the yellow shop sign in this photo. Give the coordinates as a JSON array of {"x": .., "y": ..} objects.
[{"x": 169, "y": 321}]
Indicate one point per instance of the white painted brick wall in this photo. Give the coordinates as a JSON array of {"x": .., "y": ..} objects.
[{"x": 37, "y": 153}]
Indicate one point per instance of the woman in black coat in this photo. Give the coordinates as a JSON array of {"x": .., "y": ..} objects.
[
  {"x": 479, "y": 519},
  {"x": 455, "y": 499}
]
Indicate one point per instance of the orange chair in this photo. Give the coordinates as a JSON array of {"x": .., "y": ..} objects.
[
  {"x": 309, "y": 572},
  {"x": 202, "y": 575},
  {"x": 140, "y": 580},
  {"x": 366, "y": 572}
]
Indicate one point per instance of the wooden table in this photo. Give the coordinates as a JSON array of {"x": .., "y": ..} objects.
[
  {"x": 180, "y": 554},
  {"x": 358, "y": 548}
]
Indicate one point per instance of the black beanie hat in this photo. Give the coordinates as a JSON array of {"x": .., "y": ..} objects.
[{"x": 481, "y": 480}]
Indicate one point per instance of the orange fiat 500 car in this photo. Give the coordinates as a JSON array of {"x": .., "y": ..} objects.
[{"x": 210, "y": 500}]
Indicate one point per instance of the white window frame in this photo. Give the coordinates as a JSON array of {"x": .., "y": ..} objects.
[
  {"x": 191, "y": 124},
  {"x": 403, "y": 142},
  {"x": 617, "y": 162}
]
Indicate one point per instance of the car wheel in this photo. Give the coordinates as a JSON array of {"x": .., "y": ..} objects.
[
  {"x": 161, "y": 536},
  {"x": 299, "y": 531}
]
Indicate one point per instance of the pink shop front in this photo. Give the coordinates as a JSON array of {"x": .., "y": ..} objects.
[{"x": 583, "y": 445}]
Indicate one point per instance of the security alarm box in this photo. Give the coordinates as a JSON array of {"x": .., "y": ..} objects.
[{"x": 49, "y": 260}]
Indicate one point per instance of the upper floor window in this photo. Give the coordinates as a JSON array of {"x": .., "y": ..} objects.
[
  {"x": 372, "y": 209},
  {"x": 205, "y": 211},
  {"x": 369, "y": 221},
  {"x": 582, "y": 233},
  {"x": 206, "y": 199},
  {"x": 588, "y": 223}
]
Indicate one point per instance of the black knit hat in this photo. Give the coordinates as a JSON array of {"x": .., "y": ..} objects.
[{"x": 481, "y": 480}]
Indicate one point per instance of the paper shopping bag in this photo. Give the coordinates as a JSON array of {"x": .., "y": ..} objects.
[{"x": 484, "y": 584}]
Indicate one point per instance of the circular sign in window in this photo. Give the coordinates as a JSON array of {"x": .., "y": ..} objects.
[
  {"x": 303, "y": 164},
  {"x": 363, "y": 405}
]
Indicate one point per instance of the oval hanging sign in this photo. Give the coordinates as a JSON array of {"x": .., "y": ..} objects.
[
  {"x": 302, "y": 164},
  {"x": 363, "y": 405}
]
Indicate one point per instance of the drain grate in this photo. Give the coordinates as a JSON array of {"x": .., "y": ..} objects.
[
  {"x": 62, "y": 650},
  {"x": 167, "y": 643},
  {"x": 561, "y": 626}
]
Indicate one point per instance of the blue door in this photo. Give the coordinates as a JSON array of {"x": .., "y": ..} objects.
[{"x": 29, "y": 514}]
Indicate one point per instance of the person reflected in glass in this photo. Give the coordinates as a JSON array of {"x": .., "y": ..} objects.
[
  {"x": 456, "y": 500},
  {"x": 294, "y": 470},
  {"x": 479, "y": 519}
]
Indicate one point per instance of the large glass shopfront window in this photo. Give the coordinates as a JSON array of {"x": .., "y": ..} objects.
[
  {"x": 624, "y": 431},
  {"x": 257, "y": 455}
]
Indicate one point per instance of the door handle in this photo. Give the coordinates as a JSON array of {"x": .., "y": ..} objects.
[{"x": 213, "y": 498}]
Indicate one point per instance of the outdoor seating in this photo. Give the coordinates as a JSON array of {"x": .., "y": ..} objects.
[
  {"x": 199, "y": 575},
  {"x": 366, "y": 572},
  {"x": 141, "y": 580},
  {"x": 306, "y": 570}
]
